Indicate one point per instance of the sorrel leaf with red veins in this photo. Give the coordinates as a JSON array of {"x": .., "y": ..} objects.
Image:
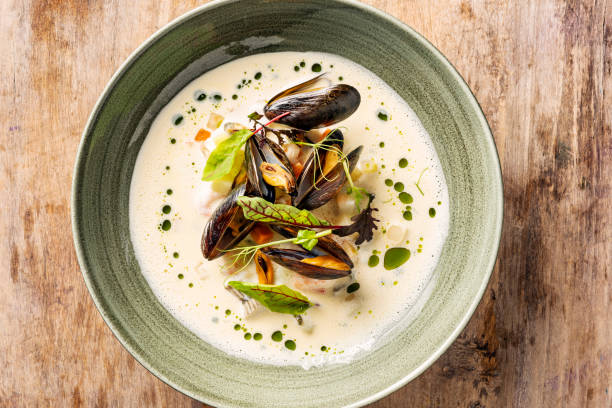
[
  {"x": 277, "y": 298},
  {"x": 258, "y": 209}
]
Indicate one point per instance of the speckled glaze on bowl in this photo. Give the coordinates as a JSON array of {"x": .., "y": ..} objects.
[{"x": 220, "y": 32}]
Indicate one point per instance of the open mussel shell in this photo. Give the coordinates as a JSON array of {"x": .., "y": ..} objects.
[
  {"x": 226, "y": 227},
  {"x": 314, "y": 187},
  {"x": 313, "y": 108},
  {"x": 262, "y": 153},
  {"x": 326, "y": 245},
  {"x": 323, "y": 267}
]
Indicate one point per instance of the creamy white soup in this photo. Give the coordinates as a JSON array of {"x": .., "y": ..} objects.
[{"x": 170, "y": 206}]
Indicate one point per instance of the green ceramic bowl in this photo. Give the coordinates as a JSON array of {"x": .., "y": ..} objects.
[{"x": 215, "y": 34}]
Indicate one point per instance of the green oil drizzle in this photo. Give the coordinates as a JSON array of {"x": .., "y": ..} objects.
[
  {"x": 353, "y": 287},
  {"x": 373, "y": 261},
  {"x": 405, "y": 198},
  {"x": 396, "y": 257}
]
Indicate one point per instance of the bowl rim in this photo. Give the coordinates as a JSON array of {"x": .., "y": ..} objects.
[{"x": 81, "y": 158}]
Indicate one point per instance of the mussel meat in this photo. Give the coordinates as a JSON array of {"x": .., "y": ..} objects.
[
  {"x": 327, "y": 260},
  {"x": 227, "y": 225},
  {"x": 268, "y": 167},
  {"x": 324, "y": 174},
  {"x": 311, "y": 107},
  {"x": 263, "y": 266}
]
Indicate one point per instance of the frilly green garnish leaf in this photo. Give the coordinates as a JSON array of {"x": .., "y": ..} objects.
[
  {"x": 277, "y": 298},
  {"x": 258, "y": 209}
]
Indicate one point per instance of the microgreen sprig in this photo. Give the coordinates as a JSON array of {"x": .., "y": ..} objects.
[{"x": 306, "y": 238}]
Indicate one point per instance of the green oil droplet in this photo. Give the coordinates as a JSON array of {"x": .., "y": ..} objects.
[
  {"x": 257, "y": 76},
  {"x": 234, "y": 96},
  {"x": 176, "y": 254},
  {"x": 236, "y": 327},
  {"x": 217, "y": 97},
  {"x": 353, "y": 287},
  {"x": 389, "y": 182},
  {"x": 166, "y": 209},
  {"x": 406, "y": 198},
  {"x": 247, "y": 336},
  {"x": 407, "y": 215},
  {"x": 290, "y": 344},
  {"x": 323, "y": 348},
  {"x": 177, "y": 119},
  {"x": 382, "y": 115},
  {"x": 373, "y": 261},
  {"x": 180, "y": 276},
  {"x": 432, "y": 212},
  {"x": 277, "y": 336},
  {"x": 169, "y": 191},
  {"x": 340, "y": 78},
  {"x": 166, "y": 225},
  {"x": 190, "y": 285},
  {"x": 228, "y": 312},
  {"x": 316, "y": 67},
  {"x": 382, "y": 144},
  {"x": 296, "y": 68},
  {"x": 403, "y": 163},
  {"x": 173, "y": 141},
  {"x": 398, "y": 186},
  {"x": 257, "y": 336},
  {"x": 396, "y": 257}
]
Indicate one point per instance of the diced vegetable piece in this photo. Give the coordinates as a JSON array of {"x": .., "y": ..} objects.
[
  {"x": 261, "y": 234},
  {"x": 202, "y": 135},
  {"x": 214, "y": 121}
]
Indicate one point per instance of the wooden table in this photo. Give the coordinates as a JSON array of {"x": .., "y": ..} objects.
[{"x": 542, "y": 71}]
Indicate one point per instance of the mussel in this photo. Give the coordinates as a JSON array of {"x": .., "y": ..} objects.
[
  {"x": 268, "y": 167},
  {"x": 324, "y": 174},
  {"x": 227, "y": 225},
  {"x": 311, "y": 107},
  {"x": 327, "y": 260},
  {"x": 326, "y": 245}
]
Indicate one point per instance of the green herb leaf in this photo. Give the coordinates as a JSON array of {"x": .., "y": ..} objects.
[
  {"x": 307, "y": 239},
  {"x": 258, "y": 209},
  {"x": 255, "y": 116},
  {"x": 277, "y": 298},
  {"x": 221, "y": 160}
]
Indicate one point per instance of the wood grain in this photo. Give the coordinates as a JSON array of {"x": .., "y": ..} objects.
[{"x": 542, "y": 71}]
